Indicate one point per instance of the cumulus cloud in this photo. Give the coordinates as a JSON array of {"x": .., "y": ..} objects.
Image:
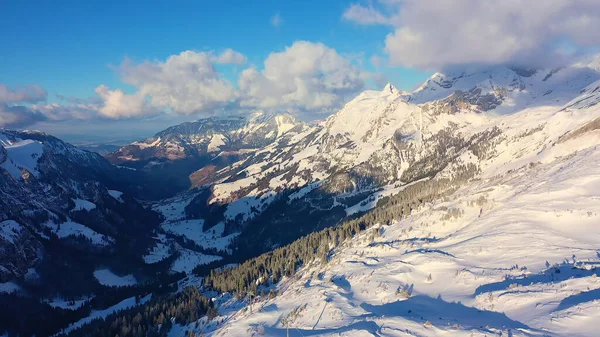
[
  {"x": 433, "y": 34},
  {"x": 185, "y": 83},
  {"x": 305, "y": 76},
  {"x": 230, "y": 56},
  {"x": 18, "y": 116},
  {"x": 118, "y": 104},
  {"x": 23, "y": 94}
]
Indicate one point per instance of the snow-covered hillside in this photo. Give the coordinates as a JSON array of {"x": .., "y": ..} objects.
[{"x": 512, "y": 252}]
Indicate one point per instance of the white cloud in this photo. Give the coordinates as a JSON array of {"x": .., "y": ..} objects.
[
  {"x": 118, "y": 104},
  {"x": 276, "y": 20},
  {"x": 433, "y": 34},
  {"x": 366, "y": 15},
  {"x": 306, "y": 76},
  {"x": 25, "y": 94},
  {"x": 230, "y": 56},
  {"x": 186, "y": 83}
]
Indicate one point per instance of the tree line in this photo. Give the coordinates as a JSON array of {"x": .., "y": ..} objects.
[{"x": 152, "y": 319}]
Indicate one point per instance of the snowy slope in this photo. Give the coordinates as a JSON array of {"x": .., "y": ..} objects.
[
  {"x": 22, "y": 154},
  {"x": 52, "y": 191},
  {"x": 520, "y": 259},
  {"x": 514, "y": 252}
]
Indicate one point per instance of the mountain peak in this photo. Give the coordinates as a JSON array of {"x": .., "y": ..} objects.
[{"x": 389, "y": 88}]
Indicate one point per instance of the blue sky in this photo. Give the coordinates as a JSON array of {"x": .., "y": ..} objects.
[
  {"x": 66, "y": 47},
  {"x": 126, "y": 69}
]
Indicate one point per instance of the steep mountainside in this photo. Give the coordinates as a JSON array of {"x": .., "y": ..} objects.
[{"x": 62, "y": 215}]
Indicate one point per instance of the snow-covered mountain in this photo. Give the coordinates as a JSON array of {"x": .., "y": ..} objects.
[
  {"x": 208, "y": 135},
  {"x": 386, "y": 139},
  {"x": 478, "y": 184},
  {"x": 511, "y": 247},
  {"x": 178, "y": 151}
]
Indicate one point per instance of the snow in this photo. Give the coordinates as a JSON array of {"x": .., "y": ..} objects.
[
  {"x": 224, "y": 191},
  {"x": 116, "y": 194},
  {"x": 10, "y": 230},
  {"x": 245, "y": 206},
  {"x": 125, "y": 167},
  {"x": 107, "y": 278},
  {"x": 83, "y": 205},
  {"x": 159, "y": 252},
  {"x": 189, "y": 259},
  {"x": 522, "y": 261},
  {"x": 216, "y": 142},
  {"x": 173, "y": 209},
  {"x": 22, "y": 154},
  {"x": 71, "y": 228},
  {"x": 359, "y": 115},
  {"x": 513, "y": 253},
  {"x": 192, "y": 230},
  {"x": 370, "y": 202},
  {"x": 31, "y": 275},
  {"x": 145, "y": 144},
  {"x": 283, "y": 125}
]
